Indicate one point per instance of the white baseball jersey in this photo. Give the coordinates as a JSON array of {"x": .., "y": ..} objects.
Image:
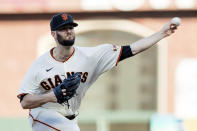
[{"x": 46, "y": 73}]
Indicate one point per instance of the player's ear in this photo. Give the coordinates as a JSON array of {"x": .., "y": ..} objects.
[{"x": 53, "y": 33}]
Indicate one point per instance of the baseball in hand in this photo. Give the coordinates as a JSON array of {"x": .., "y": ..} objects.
[{"x": 176, "y": 21}]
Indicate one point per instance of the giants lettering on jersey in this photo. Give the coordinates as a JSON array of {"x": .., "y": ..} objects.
[{"x": 50, "y": 83}]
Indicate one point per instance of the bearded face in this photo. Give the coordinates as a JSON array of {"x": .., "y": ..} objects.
[{"x": 66, "y": 36}]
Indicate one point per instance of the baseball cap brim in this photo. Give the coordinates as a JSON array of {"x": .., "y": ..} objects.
[{"x": 67, "y": 23}]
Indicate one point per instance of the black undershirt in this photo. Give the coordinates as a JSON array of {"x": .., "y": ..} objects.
[{"x": 126, "y": 52}]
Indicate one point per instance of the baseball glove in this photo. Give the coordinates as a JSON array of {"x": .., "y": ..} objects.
[{"x": 71, "y": 84}]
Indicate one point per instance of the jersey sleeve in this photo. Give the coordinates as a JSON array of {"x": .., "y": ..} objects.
[
  {"x": 29, "y": 84},
  {"x": 108, "y": 57}
]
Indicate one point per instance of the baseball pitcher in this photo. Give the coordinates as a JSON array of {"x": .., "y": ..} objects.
[{"x": 57, "y": 81}]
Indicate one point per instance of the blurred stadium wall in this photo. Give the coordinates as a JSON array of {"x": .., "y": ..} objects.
[{"x": 161, "y": 79}]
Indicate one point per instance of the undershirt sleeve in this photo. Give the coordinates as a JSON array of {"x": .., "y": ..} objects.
[{"x": 126, "y": 52}]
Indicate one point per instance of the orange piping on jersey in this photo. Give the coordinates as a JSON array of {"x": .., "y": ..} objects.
[
  {"x": 71, "y": 54},
  {"x": 43, "y": 123},
  {"x": 119, "y": 56},
  {"x": 21, "y": 94},
  {"x": 51, "y": 52}
]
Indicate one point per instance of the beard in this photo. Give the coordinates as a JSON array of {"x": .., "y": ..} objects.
[{"x": 64, "y": 42}]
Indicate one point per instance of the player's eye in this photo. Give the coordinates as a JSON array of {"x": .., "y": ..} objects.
[
  {"x": 70, "y": 27},
  {"x": 66, "y": 28}
]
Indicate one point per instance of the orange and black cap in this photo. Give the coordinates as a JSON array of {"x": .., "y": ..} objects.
[{"x": 60, "y": 20}]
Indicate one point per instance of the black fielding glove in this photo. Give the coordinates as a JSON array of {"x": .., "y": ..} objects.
[{"x": 71, "y": 84}]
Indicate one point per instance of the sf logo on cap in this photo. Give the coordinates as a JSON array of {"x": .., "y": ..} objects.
[{"x": 64, "y": 17}]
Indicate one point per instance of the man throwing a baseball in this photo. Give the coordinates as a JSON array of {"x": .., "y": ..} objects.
[{"x": 57, "y": 81}]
